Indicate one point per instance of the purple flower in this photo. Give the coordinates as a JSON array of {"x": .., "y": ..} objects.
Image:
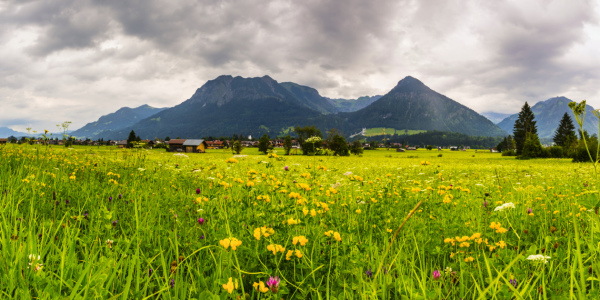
[
  {"x": 286, "y": 168},
  {"x": 109, "y": 198},
  {"x": 114, "y": 223},
  {"x": 369, "y": 273},
  {"x": 485, "y": 203},
  {"x": 201, "y": 221},
  {"x": 514, "y": 283},
  {"x": 202, "y": 237},
  {"x": 294, "y": 181},
  {"x": 529, "y": 210},
  {"x": 436, "y": 275},
  {"x": 150, "y": 272},
  {"x": 120, "y": 196},
  {"x": 273, "y": 284},
  {"x": 198, "y": 191},
  {"x": 172, "y": 283}
]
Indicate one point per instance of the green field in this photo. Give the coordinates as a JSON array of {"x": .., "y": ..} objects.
[
  {"x": 390, "y": 131},
  {"x": 103, "y": 223}
]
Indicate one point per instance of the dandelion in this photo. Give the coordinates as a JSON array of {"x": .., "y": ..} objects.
[{"x": 273, "y": 284}]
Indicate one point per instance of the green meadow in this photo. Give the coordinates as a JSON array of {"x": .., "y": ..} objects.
[{"x": 108, "y": 223}]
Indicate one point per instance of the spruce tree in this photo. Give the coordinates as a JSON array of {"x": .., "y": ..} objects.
[
  {"x": 264, "y": 143},
  {"x": 132, "y": 138},
  {"x": 565, "y": 133},
  {"x": 524, "y": 126}
]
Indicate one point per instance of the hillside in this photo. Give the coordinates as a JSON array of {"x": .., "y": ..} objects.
[
  {"x": 122, "y": 118},
  {"x": 548, "y": 114},
  {"x": 230, "y": 105},
  {"x": 413, "y": 105},
  {"x": 350, "y": 105}
]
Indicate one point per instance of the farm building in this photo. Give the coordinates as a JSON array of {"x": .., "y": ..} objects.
[
  {"x": 176, "y": 145},
  {"x": 3, "y": 141},
  {"x": 214, "y": 144},
  {"x": 195, "y": 146},
  {"x": 122, "y": 144}
]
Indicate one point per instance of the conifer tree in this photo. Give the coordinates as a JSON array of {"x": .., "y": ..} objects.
[
  {"x": 524, "y": 126},
  {"x": 565, "y": 133}
]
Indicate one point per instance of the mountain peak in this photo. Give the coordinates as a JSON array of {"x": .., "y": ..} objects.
[{"x": 410, "y": 84}]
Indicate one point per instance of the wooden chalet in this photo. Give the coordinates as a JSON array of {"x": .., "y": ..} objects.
[
  {"x": 195, "y": 146},
  {"x": 214, "y": 144},
  {"x": 122, "y": 144},
  {"x": 176, "y": 145},
  {"x": 3, "y": 141}
]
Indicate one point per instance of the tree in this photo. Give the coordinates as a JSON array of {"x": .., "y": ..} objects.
[
  {"x": 565, "y": 133},
  {"x": 304, "y": 134},
  {"x": 287, "y": 144},
  {"x": 167, "y": 139},
  {"x": 132, "y": 138},
  {"x": 236, "y": 147},
  {"x": 264, "y": 143},
  {"x": 532, "y": 147},
  {"x": 357, "y": 148},
  {"x": 337, "y": 143},
  {"x": 524, "y": 127}
]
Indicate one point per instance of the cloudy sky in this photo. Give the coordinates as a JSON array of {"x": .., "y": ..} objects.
[{"x": 76, "y": 60}]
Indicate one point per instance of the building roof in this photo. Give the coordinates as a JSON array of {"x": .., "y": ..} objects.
[
  {"x": 123, "y": 142},
  {"x": 193, "y": 142},
  {"x": 3, "y": 140},
  {"x": 176, "y": 141}
]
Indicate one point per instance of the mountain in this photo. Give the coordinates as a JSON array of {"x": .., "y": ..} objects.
[
  {"x": 413, "y": 105},
  {"x": 122, "y": 118},
  {"x": 350, "y": 105},
  {"x": 310, "y": 97},
  {"x": 232, "y": 105},
  {"x": 5, "y": 132},
  {"x": 495, "y": 117},
  {"x": 548, "y": 114}
]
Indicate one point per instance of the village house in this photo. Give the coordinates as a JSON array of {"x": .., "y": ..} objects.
[
  {"x": 122, "y": 144},
  {"x": 214, "y": 144},
  {"x": 176, "y": 145},
  {"x": 195, "y": 146},
  {"x": 3, "y": 141}
]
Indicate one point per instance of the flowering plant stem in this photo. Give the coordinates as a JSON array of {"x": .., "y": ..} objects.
[{"x": 392, "y": 241}]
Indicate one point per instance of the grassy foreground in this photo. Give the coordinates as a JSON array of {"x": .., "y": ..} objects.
[{"x": 104, "y": 223}]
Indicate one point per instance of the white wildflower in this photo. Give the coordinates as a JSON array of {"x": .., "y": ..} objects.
[
  {"x": 539, "y": 257},
  {"x": 348, "y": 173},
  {"x": 141, "y": 170},
  {"x": 505, "y": 206}
]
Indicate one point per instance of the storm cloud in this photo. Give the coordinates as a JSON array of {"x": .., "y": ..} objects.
[{"x": 79, "y": 59}]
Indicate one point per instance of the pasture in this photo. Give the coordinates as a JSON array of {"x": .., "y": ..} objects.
[{"x": 107, "y": 223}]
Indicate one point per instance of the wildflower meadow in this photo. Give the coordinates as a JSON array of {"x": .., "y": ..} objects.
[{"x": 108, "y": 223}]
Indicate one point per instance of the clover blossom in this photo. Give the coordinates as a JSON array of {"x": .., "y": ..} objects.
[{"x": 273, "y": 284}]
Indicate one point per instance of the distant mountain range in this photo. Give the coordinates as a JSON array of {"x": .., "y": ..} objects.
[
  {"x": 548, "y": 114},
  {"x": 5, "y": 132},
  {"x": 120, "y": 119},
  {"x": 495, "y": 117},
  {"x": 230, "y": 105}
]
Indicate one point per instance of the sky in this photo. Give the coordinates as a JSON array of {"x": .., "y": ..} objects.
[{"x": 76, "y": 60}]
